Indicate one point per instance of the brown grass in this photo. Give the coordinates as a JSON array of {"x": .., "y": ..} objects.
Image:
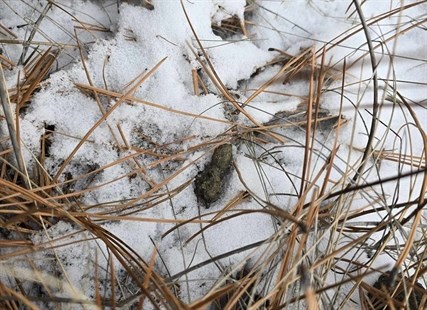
[{"x": 316, "y": 257}]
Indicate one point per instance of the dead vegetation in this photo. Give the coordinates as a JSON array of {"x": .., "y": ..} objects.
[{"x": 314, "y": 259}]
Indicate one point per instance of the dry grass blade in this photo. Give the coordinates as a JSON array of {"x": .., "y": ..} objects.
[
  {"x": 6, "y": 62},
  {"x": 375, "y": 108},
  {"x": 33, "y": 32},
  {"x": 407, "y": 159},
  {"x": 5, "y": 32},
  {"x": 210, "y": 70},
  {"x": 91, "y": 84},
  {"x": 9, "y": 296},
  {"x": 326, "y": 175},
  {"x": 11, "y": 125},
  {"x": 122, "y": 99},
  {"x": 423, "y": 191},
  {"x": 424, "y": 139},
  {"x": 152, "y": 104},
  {"x": 308, "y": 137},
  {"x": 35, "y": 72},
  {"x": 34, "y": 198},
  {"x": 356, "y": 29},
  {"x": 291, "y": 67}
]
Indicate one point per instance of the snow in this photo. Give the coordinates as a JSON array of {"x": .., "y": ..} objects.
[{"x": 138, "y": 40}]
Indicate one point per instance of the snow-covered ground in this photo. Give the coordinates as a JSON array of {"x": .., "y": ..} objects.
[{"x": 148, "y": 133}]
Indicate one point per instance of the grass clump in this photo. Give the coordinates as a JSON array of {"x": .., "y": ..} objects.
[{"x": 324, "y": 166}]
